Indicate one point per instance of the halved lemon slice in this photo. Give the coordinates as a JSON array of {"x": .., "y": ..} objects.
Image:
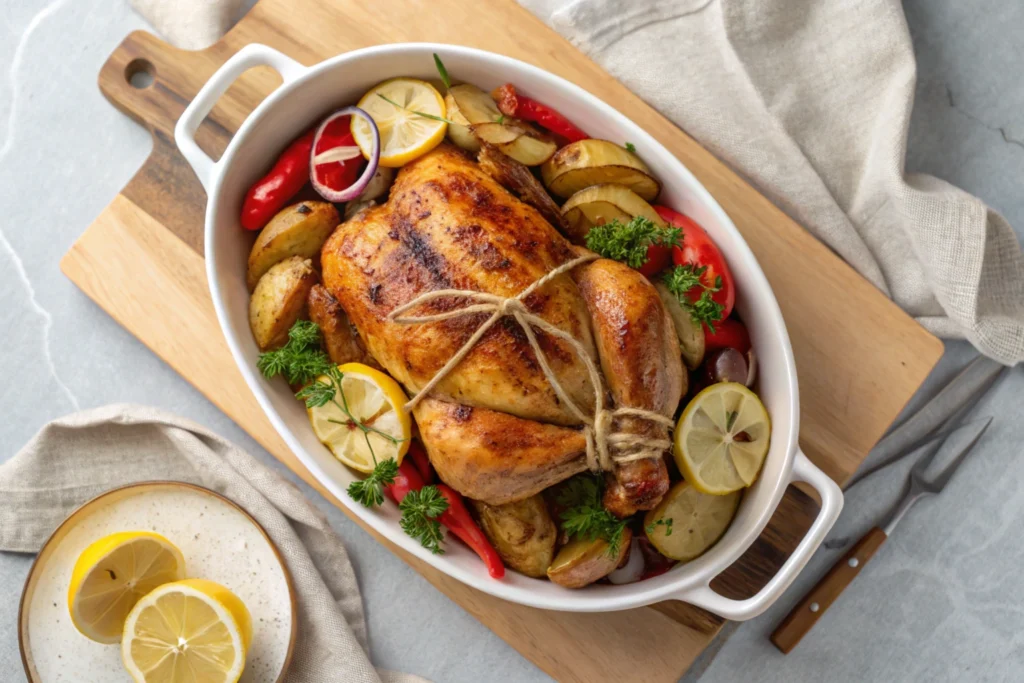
[
  {"x": 722, "y": 438},
  {"x": 687, "y": 522},
  {"x": 112, "y": 574},
  {"x": 372, "y": 399},
  {"x": 187, "y": 631},
  {"x": 408, "y": 113}
]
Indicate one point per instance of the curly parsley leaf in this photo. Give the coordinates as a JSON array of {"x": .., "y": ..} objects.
[
  {"x": 370, "y": 491},
  {"x": 630, "y": 147},
  {"x": 628, "y": 242},
  {"x": 583, "y": 514},
  {"x": 300, "y": 360},
  {"x": 665, "y": 522},
  {"x": 420, "y": 510},
  {"x": 683, "y": 281}
]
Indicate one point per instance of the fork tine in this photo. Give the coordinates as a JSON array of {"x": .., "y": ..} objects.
[{"x": 942, "y": 478}]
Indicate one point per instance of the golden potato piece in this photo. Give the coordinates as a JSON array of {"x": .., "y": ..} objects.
[
  {"x": 279, "y": 300},
  {"x": 297, "y": 230},
  {"x": 581, "y": 164},
  {"x": 600, "y": 204},
  {"x": 581, "y": 562},
  {"x": 342, "y": 343},
  {"x": 522, "y": 533},
  {"x": 468, "y": 105}
]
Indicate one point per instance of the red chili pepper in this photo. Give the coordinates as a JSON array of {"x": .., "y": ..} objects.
[
  {"x": 419, "y": 458},
  {"x": 458, "y": 520},
  {"x": 456, "y": 517},
  {"x": 269, "y": 194},
  {"x": 338, "y": 175},
  {"x": 510, "y": 103}
]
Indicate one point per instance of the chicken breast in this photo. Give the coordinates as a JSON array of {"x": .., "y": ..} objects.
[{"x": 449, "y": 225}]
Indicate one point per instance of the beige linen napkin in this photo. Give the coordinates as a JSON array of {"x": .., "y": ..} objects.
[
  {"x": 811, "y": 101},
  {"x": 75, "y": 458}
]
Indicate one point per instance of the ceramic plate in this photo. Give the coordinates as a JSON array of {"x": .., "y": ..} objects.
[{"x": 220, "y": 542}]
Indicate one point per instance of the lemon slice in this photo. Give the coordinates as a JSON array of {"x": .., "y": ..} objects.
[
  {"x": 687, "y": 522},
  {"x": 375, "y": 400},
  {"x": 397, "y": 107},
  {"x": 187, "y": 631},
  {"x": 112, "y": 574},
  {"x": 722, "y": 438}
]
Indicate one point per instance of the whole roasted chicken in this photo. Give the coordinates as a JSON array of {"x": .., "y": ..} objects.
[{"x": 494, "y": 426}]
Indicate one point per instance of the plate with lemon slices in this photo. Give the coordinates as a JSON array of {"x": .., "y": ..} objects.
[{"x": 159, "y": 582}]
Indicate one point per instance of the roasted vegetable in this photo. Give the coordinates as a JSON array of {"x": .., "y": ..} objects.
[
  {"x": 594, "y": 162},
  {"x": 279, "y": 300},
  {"x": 476, "y": 119},
  {"x": 522, "y": 533},
  {"x": 691, "y": 336},
  {"x": 600, "y": 204},
  {"x": 581, "y": 562},
  {"x": 467, "y": 105},
  {"x": 297, "y": 230}
]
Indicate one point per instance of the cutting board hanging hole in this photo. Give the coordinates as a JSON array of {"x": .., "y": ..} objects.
[{"x": 140, "y": 73}]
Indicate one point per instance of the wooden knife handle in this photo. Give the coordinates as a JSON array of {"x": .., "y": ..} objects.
[{"x": 806, "y": 614}]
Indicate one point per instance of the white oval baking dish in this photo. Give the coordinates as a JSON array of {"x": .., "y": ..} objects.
[{"x": 309, "y": 93}]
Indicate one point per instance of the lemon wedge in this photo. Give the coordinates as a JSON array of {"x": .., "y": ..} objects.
[
  {"x": 722, "y": 439},
  {"x": 112, "y": 574},
  {"x": 409, "y": 114},
  {"x": 687, "y": 522},
  {"x": 369, "y": 397},
  {"x": 187, "y": 631}
]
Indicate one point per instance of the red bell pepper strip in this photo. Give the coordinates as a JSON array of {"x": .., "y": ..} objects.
[
  {"x": 269, "y": 194},
  {"x": 419, "y": 458},
  {"x": 460, "y": 523},
  {"x": 456, "y": 517},
  {"x": 511, "y": 103}
]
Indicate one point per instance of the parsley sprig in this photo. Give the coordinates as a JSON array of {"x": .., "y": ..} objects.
[
  {"x": 583, "y": 514},
  {"x": 420, "y": 510},
  {"x": 301, "y": 359},
  {"x": 681, "y": 280},
  {"x": 665, "y": 522},
  {"x": 628, "y": 242}
]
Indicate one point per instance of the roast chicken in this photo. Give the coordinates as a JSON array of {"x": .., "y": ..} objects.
[{"x": 494, "y": 427}]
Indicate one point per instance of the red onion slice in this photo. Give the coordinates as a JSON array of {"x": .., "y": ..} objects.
[{"x": 356, "y": 188}]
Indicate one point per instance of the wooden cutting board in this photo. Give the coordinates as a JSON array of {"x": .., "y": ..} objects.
[{"x": 859, "y": 357}]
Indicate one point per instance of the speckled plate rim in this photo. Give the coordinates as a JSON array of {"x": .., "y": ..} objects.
[{"x": 64, "y": 527}]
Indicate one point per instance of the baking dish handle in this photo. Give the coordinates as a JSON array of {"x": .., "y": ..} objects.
[
  {"x": 831, "y": 505},
  {"x": 243, "y": 60}
]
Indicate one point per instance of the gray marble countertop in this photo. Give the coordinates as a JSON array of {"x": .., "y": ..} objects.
[{"x": 941, "y": 602}]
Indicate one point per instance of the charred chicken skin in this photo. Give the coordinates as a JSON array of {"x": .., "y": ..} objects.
[{"x": 494, "y": 427}]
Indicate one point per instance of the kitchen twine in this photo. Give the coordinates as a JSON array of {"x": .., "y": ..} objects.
[{"x": 602, "y": 440}]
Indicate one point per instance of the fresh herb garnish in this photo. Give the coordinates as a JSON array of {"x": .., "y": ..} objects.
[
  {"x": 413, "y": 111},
  {"x": 628, "y": 242},
  {"x": 630, "y": 147},
  {"x": 665, "y": 522},
  {"x": 300, "y": 360},
  {"x": 500, "y": 119},
  {"x": 730, "y": 419},
  {"x": 681, "y": 280},
  {"x": 420, "y": 510},
  {"x": 370, "y": 491},
  {"x": 443, "y": 71},
  {"x": 584, "y": 516}
]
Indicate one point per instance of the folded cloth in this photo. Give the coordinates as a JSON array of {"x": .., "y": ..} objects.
[
  {"x": 75, "y": 458},
  {"x": 811, "y": 101}
]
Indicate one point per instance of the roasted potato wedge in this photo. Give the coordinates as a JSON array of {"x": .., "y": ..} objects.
[
  {"x": 581, "y": 164},
  {"x": 522, "y": 533},
  {"x": 602, "y": 204},
  {"x": 495, "y": 133},
  {"x": 530, "y": 149},
  {"x": 297, "y": 230},
  {"x": 340, "y": 339},
  {"x": 581, "y": 562},
  {"x": 467, "y": 105},
  {"x": 691, "y": 336},
  {"x": 279, "y": 300}
]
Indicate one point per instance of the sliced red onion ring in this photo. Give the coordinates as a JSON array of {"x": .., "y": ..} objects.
[{"x": 327, "y": 156}]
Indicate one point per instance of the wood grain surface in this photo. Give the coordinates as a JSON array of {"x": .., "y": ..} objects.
[{"x": 859, "y": 357}]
